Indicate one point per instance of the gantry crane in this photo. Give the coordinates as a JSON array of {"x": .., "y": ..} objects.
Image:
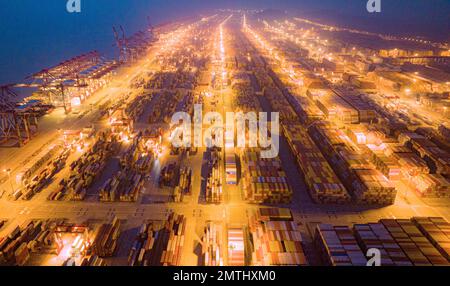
[
  {"x": 15, "y": 123},
  {"x": 131, "y": 47},
  {"x": 121, "y": 44},
  {"x": 19, "y": 121}
]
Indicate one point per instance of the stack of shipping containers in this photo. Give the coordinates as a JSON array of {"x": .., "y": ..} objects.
[
  {"x": 137, "y": 157},
  {"x": 387, "y": 165},
  {"x": 214, "y": 185},
  {"x": 323, "y": 185},
  {"x": 338, "y": 246},
  {"x": 437, "y": 230},
  {"x": 105, "y": 241},
  {"x": 375, "y": 235},
  {"x": 276, "y": 98},
  {"x": 93, "y": 260},
  {"x": 159, "y": 244},
  {"x": 421, "y": 241},
  {"x": 416, "y": 174},
  {"x": 37, "y": 183},
  {"x": 212, "y": 245},
  {"x": 276, "y": 240},
  {"x": 184, "y": 185},
  {"x": 431, "y": 179},
  {"x": 89, "y": 166},
  {"x": 413, "y": 243},
  {"x": 307, "y": 111},
  {"x": 264, "y": 180},
  {"x": 236, "y": 247},
  {"x": 365, "y": 111},
  {"x": 368, "y": 185},
  {"x": 334, "y": 107},
  {"x": 39, "y": 237}
]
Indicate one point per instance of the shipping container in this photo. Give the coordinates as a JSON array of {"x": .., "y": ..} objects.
[
  {"x": 264, "y": 180},
  {"x": 375, "y": 235},
  {"x": 437, "y": 230},
  {"x": 413, "y": 243},
  {"x": 338, "y": 246},
  {"x": 276, "y": 242},
  {"x": 323, "y": 185},
  {"x": 106, "y": 239},
  {"x": 159, "y": 243},
  {"x": 212, "y": 245},
  {"x": 236, "y": 247}
]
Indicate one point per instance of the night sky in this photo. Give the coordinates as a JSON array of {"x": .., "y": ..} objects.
[{"x": 39, "y": 33}]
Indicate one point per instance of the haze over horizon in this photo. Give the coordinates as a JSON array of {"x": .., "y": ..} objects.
[{"x": 38, "y": 34}]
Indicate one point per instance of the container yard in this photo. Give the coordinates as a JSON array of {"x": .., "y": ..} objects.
[
  {"x": 419, "y": 250},
  {"x": 276, "y": 240},
  {"x": 236, "y": 247},
  {"x": 338, "y": 246},
  {"x": 375, "y": 235},
  {"x": 214, "y": 181},
  {"x": 38, "y": 182},
  {"x": 53, "y": 242},
  {"x": 159, "y": 243},
  {"x": 436, "y": 229},
  {"x": 89, "y": 166},
  {"x": 367, "y": 184},
  {"x": 265, "y": 180},
  {"x": 323, "y": 184},
  {"x": 184, "y": 186},
  {"x": 212, "y": 245},
  {"x": 105, "y": 241},
  {"x": 235, "y": 138}
]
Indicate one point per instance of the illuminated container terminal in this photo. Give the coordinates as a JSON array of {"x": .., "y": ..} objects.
[{"x": 350, "y": 134}]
